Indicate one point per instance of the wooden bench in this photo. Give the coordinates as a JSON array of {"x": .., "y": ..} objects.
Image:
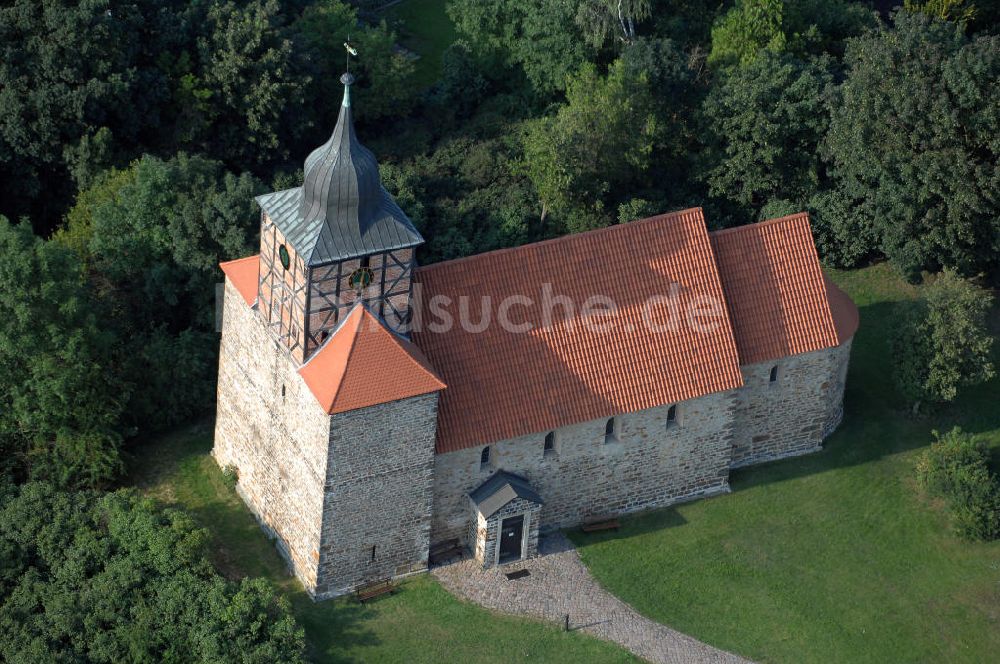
[
  {"x": 444, "y": 551},
  {"x": 375, "y": 589},
  {"x": 601, "y": 523}
]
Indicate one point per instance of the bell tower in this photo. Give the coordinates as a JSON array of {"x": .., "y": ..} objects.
[{"x": 338, "y": 239}]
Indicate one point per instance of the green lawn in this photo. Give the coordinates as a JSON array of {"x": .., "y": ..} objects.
[
  {"x": 420, "y": 623},
  {"x": 833, "y": 557},
  {"x": 424, "y": 28}
]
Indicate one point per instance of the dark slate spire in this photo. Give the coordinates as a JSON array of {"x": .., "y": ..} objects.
[{"x": 342, "y": 210}]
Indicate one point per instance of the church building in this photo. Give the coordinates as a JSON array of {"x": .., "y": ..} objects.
[{"x": 375, "y": 410}]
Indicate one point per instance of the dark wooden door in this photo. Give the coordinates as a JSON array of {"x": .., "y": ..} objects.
[{"x": 511, "y": 534}]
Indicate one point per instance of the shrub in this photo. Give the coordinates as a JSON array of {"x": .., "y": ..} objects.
[
  {"x": 955, "y": 468},
  {"x": 943, "y": 343},
  {"x": 231, "y": 476}
]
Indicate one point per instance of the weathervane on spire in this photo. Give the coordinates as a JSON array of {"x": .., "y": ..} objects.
[
  {"x": 350, "y": 51},
  {"x": 348, "y": 78}
]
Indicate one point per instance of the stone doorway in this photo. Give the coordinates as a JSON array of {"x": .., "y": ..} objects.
[{"x": 511, "y": 540}]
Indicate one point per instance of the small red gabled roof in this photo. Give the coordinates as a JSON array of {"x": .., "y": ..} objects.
[
  {"x": 364, "y": 364},
  {"x": 775, "y": 289},
  {"x": 243, "y": 272}
]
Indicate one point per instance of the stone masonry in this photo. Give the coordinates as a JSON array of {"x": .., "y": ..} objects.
[
  {"x": 359, "y": 496},
  {"x": 792, "y": 415},
  {"x": 271, "y": 428},
  {"x": 377, "y": 504},
  {"x": 347, "y": 497},
  {"x": 649, "y": 463}
]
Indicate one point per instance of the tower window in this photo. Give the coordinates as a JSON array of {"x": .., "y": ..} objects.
[
  {"x": 773, "y": 377},
  {"x": 549, "y": 447},
  {"x": 373, "y": 553},
  {"x": 282, "y": 391},
  {"x": 672, "y": 415},
  {"x": 484, "y": 458},
  {"x": 286, "y": 260}
]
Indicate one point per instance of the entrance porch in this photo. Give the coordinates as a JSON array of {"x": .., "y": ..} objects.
[{"x": 505, "y": 520}]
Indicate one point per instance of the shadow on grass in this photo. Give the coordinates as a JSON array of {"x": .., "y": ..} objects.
[
  {"x": 332, "y": 626},
  {"x": 877, "y": 423},
  {"x": 637, "y": 524},
  {"x": 180, "y": 473}
]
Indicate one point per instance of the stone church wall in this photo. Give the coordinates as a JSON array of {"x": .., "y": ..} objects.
[
  {"x": 651, "y": 464},
  {"x": 377, "y": 507},
  {"x": 794, "y": 414},
  {"x": 270, "y": 427}
]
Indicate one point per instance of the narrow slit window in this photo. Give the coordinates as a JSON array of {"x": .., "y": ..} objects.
[
  {"x": 611, "y": 431},
  {"x": 373, "y": 553},
  {"x": 484, "y": 457},
  {"x": 672, "y": 415},
  {"x": 773, "y": 377},
  {"x": 550, "y": 444}
]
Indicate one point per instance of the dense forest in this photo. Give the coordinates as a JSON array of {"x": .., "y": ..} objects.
[{"x": 135, "y": 133}]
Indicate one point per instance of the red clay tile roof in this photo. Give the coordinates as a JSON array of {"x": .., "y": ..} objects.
[
  {"x": 502, "y": 384},
  {"x": 243, "y": 273},
  {"x": 364, "y": 364},
  {"x": 774, "y": 289}
]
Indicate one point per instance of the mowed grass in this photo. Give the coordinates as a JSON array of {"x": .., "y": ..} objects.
[
  {"x": 420, "y": 623},
  {"x": 423, "y": 27},
  {"x": 833, "y": 557}
]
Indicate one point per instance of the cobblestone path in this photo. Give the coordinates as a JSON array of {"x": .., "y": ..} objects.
[{"x": 559, "y": 584}]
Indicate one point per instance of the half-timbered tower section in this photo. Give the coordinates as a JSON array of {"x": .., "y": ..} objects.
[{"x": 337, "y": 239}]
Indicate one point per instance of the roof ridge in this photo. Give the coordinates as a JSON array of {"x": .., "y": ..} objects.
[
  {"x": 759, "y": 224},
  {"x": 350, "y": 350},
  {"x": 676, "y": 214}
]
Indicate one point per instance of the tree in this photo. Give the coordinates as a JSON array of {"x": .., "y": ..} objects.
[
  {"x": 943, "y": 342},
  {"x": 913, "y": 151},
  {"x": 384, "y": 85},
  {"x": 594, "y": 145},
  {"x": 111, "y": 578},
  {"x": 60, "y": 398},
  {"x": 960, "y": 11},
  {"x": 749, "y": 27},
  {"x": 154, "y": 236},
  {"x": 540, "y": 36},
  {"x": 765, "y": 123},
  {"x": 800, "y": 27},
  {"x": 247, "y": 75},
  {"x": 601, "y": 19},
  {"x": 68, "y": 69},
  {"x": 158, "y": 231}
]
